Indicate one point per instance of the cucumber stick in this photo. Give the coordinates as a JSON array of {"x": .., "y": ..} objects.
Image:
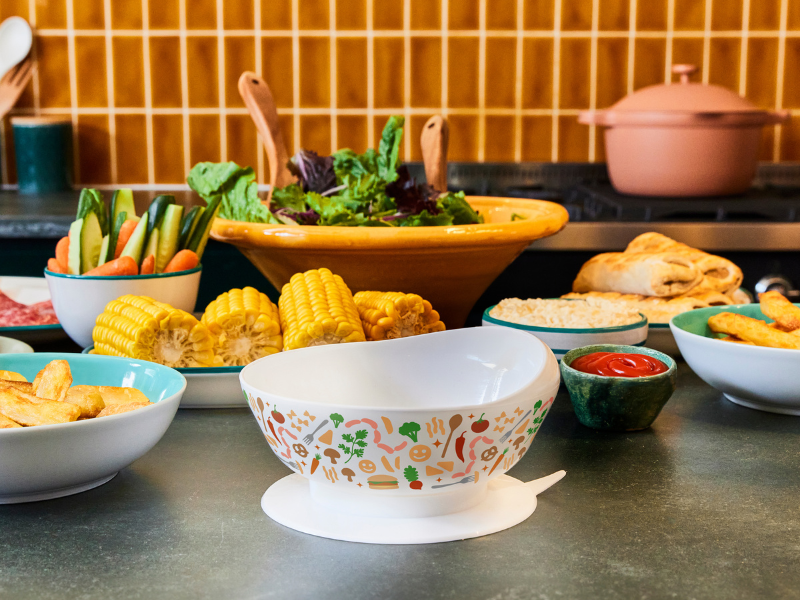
[
  {"x": 103, "y": 256},
  {"x": 188, "y": 224},
  {"x": 152, "y": 245},
  {"x": 91, "y": 240},
  {"x": 199, "y": 238},
  {"x": 155, "y": 214},
  {"x": 169, "y": 236},
  {"x": 122, "y": 201},
  {"x": 74, "y": 256},
  {"x": 135, "y": 244},
  {"x": 91, "y": 201},
  {"x": 114, "y": 236}
]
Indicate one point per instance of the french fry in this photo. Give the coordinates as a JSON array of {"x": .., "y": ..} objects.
[
  {"x": 752, "y": 330},
  {"x": 6, "y": 423},
  {"x": 780, "y": 310},
  {"x": 17, "y": 385},
  {"x": 11, "y": 376},
  {"x": 736, "y": 340},
  {"x": 115, "y": 395},
  {"x": 53, "y": 381},
  {"x": 117, "y": 409},
  {"x": 16, "y": 407},
  {"x": 89, "y": 401}
]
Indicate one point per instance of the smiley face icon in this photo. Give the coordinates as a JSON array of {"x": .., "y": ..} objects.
[{"x": 419, "y": 453}]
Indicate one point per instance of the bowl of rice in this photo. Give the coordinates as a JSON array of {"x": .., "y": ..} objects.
[{"x": 566, "y": 324}]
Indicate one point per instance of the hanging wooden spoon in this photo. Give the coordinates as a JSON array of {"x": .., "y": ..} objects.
[
  {"x": 455, "y": 423},
  {"x": 261, "y": 106},
  {"x": 434, "y": 139}
]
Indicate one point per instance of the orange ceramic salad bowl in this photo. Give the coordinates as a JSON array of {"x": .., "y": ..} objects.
[{"x": 449, "y": 265}]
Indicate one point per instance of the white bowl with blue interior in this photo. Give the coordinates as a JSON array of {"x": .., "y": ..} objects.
[
  {"x": 51, "y": 461},
  {"x": 562, "y": 339},
  {"x": 78, "y": 299}
]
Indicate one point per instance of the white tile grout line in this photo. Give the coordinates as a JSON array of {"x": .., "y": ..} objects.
[
  {"x": 360, "y": 33},
  {"x": 482, "y": 81},
  {"x": 259, "y": 67},
  {"x": 407, "y": 78},
  {"x": 743, "y": 47},
  {"x": 593, "y": 77},
  {"x": 333, "y": 75},
  {"x": 445, "y": 50},
  {"x": 776, "y": 144},
  {"x": 148, "y": 93},
  {"x": 223, "y": 123},
  {"x": 518, "y": 84},
  {"x": 296, "y": 73},
  {"x": 73, "y": 87},
  {"x": 670, "y": 36},
  {"x": 632, "y": 43},
  {"x": 184, "y": 52},
  {"x": 370, "y": 77},
  {"x": 556, "y": 79},
  {"x": 112, "y": 121},
  {"x": 707, "y": 41}
]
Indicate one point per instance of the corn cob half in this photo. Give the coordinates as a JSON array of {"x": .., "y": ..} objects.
[
  {"x": 316, "y": 308},
  {"x": 390, "y": 315},
  {"x": 140, "y": 327},
  {"x": 245, "y": 324}
]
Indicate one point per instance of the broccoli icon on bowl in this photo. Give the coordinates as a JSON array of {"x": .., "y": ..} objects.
[{"x": 410, "y": 430}]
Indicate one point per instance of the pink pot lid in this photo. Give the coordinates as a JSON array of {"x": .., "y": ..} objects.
[{"x": 684, "y": 104}]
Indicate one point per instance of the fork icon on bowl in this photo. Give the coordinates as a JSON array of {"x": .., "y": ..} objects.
[
  {"x": 468, "y": 479},
  {"x": 310, "y": 437}
]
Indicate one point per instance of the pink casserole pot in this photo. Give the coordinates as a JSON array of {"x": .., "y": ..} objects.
[{"x": 687, "y": 139}]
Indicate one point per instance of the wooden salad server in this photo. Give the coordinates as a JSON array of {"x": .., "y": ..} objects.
[
  {"x": 434, "y": 139},
  {"x": 261, "y": 106}
]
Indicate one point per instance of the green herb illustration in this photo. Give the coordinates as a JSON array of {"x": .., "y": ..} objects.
[
  {"x": 537, "y": 406},
  {"x": 410, "y": 430},
  {"x": 337, "y": 419},
  {"x": 351, "y": 450}
]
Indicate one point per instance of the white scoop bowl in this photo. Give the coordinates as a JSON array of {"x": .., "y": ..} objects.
[
  {"x": 392, "y": 402},
  {"x": 16, "y": 39}
]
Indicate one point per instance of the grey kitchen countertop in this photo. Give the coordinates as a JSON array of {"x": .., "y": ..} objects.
[{"x": 706, "y": 504}]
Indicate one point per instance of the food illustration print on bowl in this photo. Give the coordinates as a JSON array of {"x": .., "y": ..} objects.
[{"x": 434, "y": 415}]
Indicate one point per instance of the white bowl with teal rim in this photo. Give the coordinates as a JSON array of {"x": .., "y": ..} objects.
[
  {"x": 561, "y": 339},
  {"x": 753, "y": 376},
  {"x": 209, "y": 387},
  {"x": 78, "y": 299},
  {"x": 12, "y": 346},
  {"x": 51, "y": 461}
]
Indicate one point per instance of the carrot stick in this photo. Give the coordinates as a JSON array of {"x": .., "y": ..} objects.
[
  {"x": 62, "y": 254},
  {"x": 125, "y": 233},
  {"x": 124, "y": 265},
  {"x": 182, "y": 261},
  {"x": 54, "y": 266},
  {"x": 148, "y": 265}
]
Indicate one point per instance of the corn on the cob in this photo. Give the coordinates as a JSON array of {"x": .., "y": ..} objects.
[
  {"x": 140, "y": 327},
  {"x": 245, "y": 324},
  {"x": 316, "y": 308},
  {"x": 390, "y": 315}
]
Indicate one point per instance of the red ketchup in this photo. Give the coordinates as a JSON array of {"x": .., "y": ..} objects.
[{"x": 617, "y": 364}]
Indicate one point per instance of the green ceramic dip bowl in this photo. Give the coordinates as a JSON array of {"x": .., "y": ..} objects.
[{"x": 618, "y": 403}]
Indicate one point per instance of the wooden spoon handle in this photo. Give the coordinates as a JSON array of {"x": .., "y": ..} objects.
[
  {"x": 434, "y": 139},
  {"x": 261, "y": 106}
]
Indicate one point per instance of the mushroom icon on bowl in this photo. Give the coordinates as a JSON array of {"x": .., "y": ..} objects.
[{"x": 333, "y": 455}]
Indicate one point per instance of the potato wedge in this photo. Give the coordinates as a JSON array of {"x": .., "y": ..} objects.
[
  {"x": 780, "y": 310},
  {"x": 6, "y": 423},
  {"x": 16, "y": 407},
  {"x": 17, "y": 385},
  {"x": 12, "y": 376},
  {"x": 117, "y": 409},
  {"x": 53, "y": 381},
  {"x": 116, "y": 395},
  {"x": 752, "y": 330},
  {"x": 88, "y": 400}
]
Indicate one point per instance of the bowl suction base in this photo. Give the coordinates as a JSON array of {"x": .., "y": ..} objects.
[
  {"x": 57, "y": 493},
  {"x": 764, "y": 406},
  {"x": 508, "y": 502}
]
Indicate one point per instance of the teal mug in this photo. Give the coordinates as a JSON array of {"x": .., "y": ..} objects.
[{"x": 43, "y": 150}]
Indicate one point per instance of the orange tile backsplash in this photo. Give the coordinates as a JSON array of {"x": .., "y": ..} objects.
[{"x": 151, "y": 86}]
